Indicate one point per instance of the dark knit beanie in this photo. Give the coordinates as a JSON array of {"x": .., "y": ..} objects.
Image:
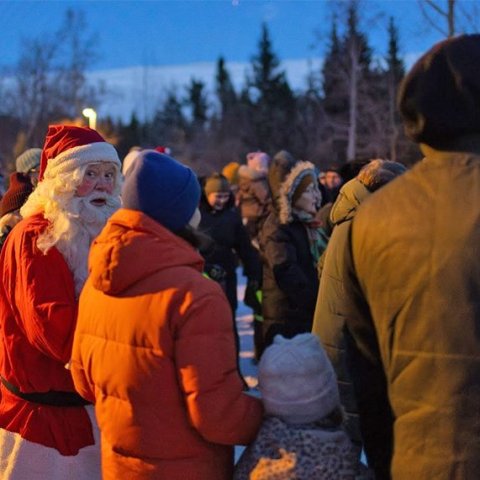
[
  {"x": 18, "y": 191},
  {"x": 439, "y": 99},
  {"x": 162, "y": 188},
  {"x": 216, "y": 183}
]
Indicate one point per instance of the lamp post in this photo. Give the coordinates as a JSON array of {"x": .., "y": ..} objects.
[{"x": 91, "y": 114}]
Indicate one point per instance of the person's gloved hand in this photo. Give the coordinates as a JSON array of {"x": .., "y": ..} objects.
[
  {"x": 217, "y": 273},
  {"x": 253, "y": 296}
]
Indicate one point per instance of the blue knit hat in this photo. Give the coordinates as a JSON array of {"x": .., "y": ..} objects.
[
  {"x": 162, "y": 188},
  {"x": 28, "y": 160}
]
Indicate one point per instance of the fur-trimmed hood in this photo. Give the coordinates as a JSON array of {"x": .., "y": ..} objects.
[
  {"x": 288, "y": 187},
  {"x": 281, "y": 165}
]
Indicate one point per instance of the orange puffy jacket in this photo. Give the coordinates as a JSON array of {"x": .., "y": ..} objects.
[{"x": 154, "y": 348}]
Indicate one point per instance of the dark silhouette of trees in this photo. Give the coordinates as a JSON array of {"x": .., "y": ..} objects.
[
  {"x": 346, "y": 109},
  {"x": 272, "y": 100}
]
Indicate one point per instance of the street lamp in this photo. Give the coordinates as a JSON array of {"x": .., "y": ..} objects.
[{"x": 91, "y": 114}]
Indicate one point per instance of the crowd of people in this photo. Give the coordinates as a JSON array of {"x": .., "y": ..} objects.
[{"x": 118, "y": 294}]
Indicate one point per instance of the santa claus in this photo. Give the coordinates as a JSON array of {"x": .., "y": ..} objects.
[{"x": 46, "y": 428}]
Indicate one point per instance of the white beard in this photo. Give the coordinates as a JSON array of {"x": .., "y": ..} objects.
[{"x": 78, "y": 223}]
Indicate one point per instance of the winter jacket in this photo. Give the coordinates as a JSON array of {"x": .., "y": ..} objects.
[
  {"x": 412, "y": 275},
  {"x": 254, "y": 199},
  {"x": 311, "y": 451},
  {"x": 290, "y": 282},
  {"x": 329, "y": 317},
  {"x": 154, "y": 349},
  {"x": 38, "y": 312},
  {"x": 230, "y": 239}
]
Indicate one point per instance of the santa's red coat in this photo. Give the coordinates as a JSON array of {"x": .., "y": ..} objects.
[{"x": 38, "y": 312}]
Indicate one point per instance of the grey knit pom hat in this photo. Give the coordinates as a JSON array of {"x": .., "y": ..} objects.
[
  {"x": 297, "y": 380},
  {"x": 28, "y": 160}
]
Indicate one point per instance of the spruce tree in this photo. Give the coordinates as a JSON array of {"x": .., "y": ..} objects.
[
  {"x": 197, "y": 101},
  {"x": 273, "y": 100},
  {"x": 395, "y": 72},
  {"x": 169, "y": 123},
  {"x": 227, "y": 98}
]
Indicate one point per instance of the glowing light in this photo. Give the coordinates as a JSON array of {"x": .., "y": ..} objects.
[{"x": 91, "y": 114}]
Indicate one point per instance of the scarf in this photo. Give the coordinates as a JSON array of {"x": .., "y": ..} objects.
[{"x": 317, "y": 237}]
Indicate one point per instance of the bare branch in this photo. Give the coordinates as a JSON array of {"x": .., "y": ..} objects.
[
  {"x": 429, "y": 20},
  {"x": 435, "y": 7}
]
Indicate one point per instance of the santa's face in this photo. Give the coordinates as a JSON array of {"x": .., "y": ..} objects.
[{"x": 98, "y": 178}]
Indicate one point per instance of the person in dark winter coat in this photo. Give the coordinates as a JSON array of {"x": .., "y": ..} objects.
[
  {"x": 331, "y": 181},
  {"x": 302, "y": 435},
  {"x": 222, "y": 222},
  {"x": 291, "y": 246},
  {"x": 411, "y": 273},
  {"x": 329, "y": 322}
]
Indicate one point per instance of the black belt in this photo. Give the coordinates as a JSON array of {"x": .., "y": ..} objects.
[{"x": 51, "y": 398}]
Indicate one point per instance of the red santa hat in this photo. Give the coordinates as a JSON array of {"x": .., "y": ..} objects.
[{"x": 68, "y": 147}]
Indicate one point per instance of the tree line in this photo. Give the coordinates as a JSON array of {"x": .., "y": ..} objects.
[{"x": 345, "y": 112}]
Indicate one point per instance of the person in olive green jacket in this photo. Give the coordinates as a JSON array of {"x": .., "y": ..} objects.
[
  {"x": 328, "y": 321},
  {"x": 411, "y": 273}
]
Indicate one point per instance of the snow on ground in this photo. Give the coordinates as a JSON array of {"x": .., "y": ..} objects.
[{"x": 245, "y": 331}]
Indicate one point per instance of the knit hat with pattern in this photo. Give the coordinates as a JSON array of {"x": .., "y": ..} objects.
[
  {"x": 297, "y": 380},
  {"x": 28, "y": 160}
]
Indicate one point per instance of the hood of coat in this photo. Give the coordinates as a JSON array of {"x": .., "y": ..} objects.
[
  {"x": 288, "y": 187},
  {"x": 133, "y": 246},
  {"x": 280, "y": 166},
  {"x": 351, "y": 195}
]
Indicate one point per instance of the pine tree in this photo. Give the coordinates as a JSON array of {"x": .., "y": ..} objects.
[
  {"x": 226, "y": 95},
  {"x": 346, "y": 76},
  {"x": 169, "y": 124},
  {"x": 334, "y": 79},
  {"x": 272, "y": 98},
  {"x": 395, "y": 72},
  {"x": 197, "y": 101}
]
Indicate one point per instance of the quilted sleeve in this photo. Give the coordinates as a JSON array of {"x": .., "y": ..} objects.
[{"x": 207, "y": 368}]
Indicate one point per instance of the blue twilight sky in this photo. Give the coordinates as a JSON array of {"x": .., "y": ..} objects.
[
  {"x": 147, "y": 47},
  {"x": 175, "y": 32}
]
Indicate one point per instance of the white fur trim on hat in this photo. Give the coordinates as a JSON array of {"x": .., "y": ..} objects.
[
  {"x": 76, "y": 157},
  {"x": 288, "y": 187},
  {"x": 297, "y": 380}
]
